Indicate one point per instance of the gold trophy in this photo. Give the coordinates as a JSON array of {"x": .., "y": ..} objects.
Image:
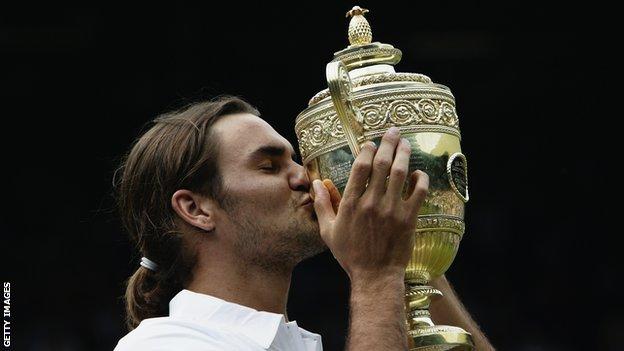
[{"x": 365, "y": 97}]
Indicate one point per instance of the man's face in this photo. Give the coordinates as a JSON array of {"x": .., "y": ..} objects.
[{"x": 267, "y": 211}]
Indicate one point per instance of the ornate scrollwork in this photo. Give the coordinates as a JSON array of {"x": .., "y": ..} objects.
[
  {"x": 428, "y": 109},
  {"x": 375, "y": 116},
  {"x": 318, "y": 135},
  {"x": 448, "y": 114},
  {"x": 402, "y": 112}
]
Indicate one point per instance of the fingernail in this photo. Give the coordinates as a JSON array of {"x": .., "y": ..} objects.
[
  {"x": 316, "y": 184},
  {"x": 369, "y": 143},
  {"x": 393, "y": 131},
  {"x": 405, "y": 141}
]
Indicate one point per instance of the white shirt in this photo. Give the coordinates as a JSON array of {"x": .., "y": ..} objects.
[{"x": 203, "y": 322}]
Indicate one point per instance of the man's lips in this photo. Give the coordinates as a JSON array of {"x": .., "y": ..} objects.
[{"x": 306, "y": 201}]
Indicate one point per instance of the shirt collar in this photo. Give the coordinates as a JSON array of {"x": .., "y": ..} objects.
[{"x": 259, "y": 326}]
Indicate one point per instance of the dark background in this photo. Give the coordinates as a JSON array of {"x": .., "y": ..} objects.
[{"x": 538, "y": 265}]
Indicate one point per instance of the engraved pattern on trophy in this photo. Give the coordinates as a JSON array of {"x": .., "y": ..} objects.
[{"x": 378, "y": 114}]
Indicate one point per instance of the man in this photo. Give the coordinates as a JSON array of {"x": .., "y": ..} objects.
[{"x": 222, "y": 214}]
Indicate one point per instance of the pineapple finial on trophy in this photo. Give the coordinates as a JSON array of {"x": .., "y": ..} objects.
[{"x": 360, "y": 32}]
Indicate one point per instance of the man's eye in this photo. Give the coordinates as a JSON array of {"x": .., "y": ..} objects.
[{"x": 268, "y": 167}]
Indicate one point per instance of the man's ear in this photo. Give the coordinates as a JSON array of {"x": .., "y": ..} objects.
[{"x": 194, "y": 209}]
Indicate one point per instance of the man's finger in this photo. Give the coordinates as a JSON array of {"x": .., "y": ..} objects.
[
  {"x": 323, "y": 207},
  {"x": 360, "y": 171},
  {"x": 399, "y": 170},
  {"x": 419, "y": 188},
  {"x": 383, "y": 161}
]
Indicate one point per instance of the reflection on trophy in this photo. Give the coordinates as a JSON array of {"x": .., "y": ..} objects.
[{"x": 365, "y": 97}]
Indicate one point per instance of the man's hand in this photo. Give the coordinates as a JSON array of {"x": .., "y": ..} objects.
[{"x": 371, "y": 233}]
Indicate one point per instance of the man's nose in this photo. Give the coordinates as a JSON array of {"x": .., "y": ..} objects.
[{"x": 299, "y": 180}]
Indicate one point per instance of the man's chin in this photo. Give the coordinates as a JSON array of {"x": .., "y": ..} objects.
[
  {"x": 312, "y": 242},
  {"x": 314, "y": 249}
]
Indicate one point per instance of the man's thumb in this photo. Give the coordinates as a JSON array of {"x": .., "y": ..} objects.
[
  {"x": 334, "y": 194},
  {"x": 323, "y": 206}
]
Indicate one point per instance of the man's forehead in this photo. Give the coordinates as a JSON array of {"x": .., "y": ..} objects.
[{"x": 246, "y": 132}]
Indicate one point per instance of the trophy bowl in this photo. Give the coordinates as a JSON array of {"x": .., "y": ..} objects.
[{"x": 365, "y": 97}]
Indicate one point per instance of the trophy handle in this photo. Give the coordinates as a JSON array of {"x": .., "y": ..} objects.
[{"x": 340, "y": 88}]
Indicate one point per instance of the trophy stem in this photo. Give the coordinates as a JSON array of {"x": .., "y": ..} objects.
[{"x": 423, "y": 334}]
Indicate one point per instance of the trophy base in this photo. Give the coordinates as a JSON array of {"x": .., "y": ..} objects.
[
  {"x": 439, "y": 338},
  {"x": 423, "y": 334}
]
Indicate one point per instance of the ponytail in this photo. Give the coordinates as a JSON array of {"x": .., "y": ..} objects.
[
  {"x": 142, "y": 297},
  {"x": 148, "y": 292}
]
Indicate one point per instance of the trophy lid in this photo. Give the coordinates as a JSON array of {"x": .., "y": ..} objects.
[
  {"x": 361, "y": 52},
  {"x": 369, "y": 62}
]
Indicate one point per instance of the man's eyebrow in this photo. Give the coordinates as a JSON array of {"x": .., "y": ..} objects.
[{"x": 273, "y": 150}]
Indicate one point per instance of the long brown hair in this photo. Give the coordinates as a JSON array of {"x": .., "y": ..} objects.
[{"x": 178, "y": 151}]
